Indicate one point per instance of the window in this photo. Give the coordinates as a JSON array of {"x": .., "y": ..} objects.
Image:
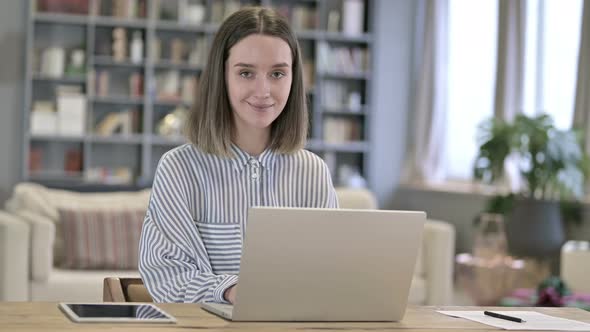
[
  {"x": 553, "y": 56},
  {"x": 472, "y": 71},
  {"x": 551, "y": 61}
]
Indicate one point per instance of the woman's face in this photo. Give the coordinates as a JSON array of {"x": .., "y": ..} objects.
[{"x": 258, "y": 77}]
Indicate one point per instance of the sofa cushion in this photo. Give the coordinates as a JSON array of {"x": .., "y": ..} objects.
[
  {"x": 101, "y": 239},
  {"x": 38, "y": 199}
]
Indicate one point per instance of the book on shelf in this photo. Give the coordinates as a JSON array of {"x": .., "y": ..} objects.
[
  {"x": 73, "y": 161},
  {"x": 341, "y": 130},
  {"x": 35, "y": 159},
  {"x": 43, "y": 118},
  {"x": 343, "y": 59},
  {"x": 71, "y": 110}
]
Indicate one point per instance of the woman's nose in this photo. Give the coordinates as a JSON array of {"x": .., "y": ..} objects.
[{"x": 262, "y": 88}]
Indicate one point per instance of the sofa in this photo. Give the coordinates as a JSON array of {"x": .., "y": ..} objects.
[{"x": 32, "y": 247}]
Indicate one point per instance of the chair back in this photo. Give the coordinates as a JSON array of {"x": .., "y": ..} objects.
[{"x": 125, "y": 290}]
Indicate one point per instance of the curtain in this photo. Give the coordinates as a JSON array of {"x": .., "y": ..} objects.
[
  {"x": 582, "y": 102},
  {"x": 509, "y": 94},
  {"x": 426, "y": 155}
]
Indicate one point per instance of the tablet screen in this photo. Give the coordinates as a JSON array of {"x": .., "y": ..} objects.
[{"x": 115, "y": 312}]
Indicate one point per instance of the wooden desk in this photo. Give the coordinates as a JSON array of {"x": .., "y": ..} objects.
[{"x": 46, "y": 317}]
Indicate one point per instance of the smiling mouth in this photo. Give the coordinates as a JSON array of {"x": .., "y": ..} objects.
[{"x": 261, "y": 107}]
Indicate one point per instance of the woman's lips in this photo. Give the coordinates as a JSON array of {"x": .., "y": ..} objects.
[{"x": 261, "y": 107}]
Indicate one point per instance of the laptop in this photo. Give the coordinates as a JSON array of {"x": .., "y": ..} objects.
[{"x": 305, "y": 264}]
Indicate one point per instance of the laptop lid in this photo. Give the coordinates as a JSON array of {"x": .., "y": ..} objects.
[{"x": 303, "y": 264}]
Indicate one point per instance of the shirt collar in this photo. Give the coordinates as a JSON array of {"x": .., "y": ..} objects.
[{"x": 241, "y": 158}]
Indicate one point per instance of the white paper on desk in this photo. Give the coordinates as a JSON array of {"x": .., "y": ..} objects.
[{"x": 533, "y": 320}]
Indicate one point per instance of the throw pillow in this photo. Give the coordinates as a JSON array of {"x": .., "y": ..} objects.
[{"x": 101, "y": 239}]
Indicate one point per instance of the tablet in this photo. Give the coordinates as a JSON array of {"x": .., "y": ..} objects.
[{"x": 115, "y": 313}]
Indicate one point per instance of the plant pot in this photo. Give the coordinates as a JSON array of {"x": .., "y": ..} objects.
[{"x": 534, "y": 228}]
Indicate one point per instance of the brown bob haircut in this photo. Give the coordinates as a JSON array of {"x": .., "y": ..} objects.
[{"x": 210, "y": 121}]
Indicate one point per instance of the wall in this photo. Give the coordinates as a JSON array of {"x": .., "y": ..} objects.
[
  {"x": 12, "y": 46},
  {"x": 391, "y": 91}
]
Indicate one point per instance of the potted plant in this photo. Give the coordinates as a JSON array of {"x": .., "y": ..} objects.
[{"x": 551, "y": 169}]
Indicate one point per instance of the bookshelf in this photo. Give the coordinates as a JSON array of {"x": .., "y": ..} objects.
[{"x": 129, "y": 102}]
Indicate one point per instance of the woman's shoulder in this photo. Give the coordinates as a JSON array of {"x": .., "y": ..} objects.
[
  {"x": 305, "y": 158},
  {"x": 183, "y": 156}
]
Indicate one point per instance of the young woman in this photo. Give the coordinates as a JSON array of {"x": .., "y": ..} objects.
[{"x": 247, "y": 131}]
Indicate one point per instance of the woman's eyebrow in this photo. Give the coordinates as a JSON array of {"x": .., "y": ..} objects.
[{"x": 247, "y": 65}]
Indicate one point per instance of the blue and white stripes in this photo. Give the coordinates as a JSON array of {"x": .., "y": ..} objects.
[{"x": 194, "y": 228}]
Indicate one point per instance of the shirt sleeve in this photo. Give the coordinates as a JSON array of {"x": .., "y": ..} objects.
[
  {"x": 173, "y": 262},
  {"x": 328, "y": 198}
]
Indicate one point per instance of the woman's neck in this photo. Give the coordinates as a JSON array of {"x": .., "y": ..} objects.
[{"x": 253, "y": 142}]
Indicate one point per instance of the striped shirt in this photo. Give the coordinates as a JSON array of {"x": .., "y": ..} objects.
[{"x": 192, "y": 236}]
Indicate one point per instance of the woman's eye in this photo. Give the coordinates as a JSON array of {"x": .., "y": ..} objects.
[
  {"x": 246, "y": 74},
  {"x": 278, "y": 74}
]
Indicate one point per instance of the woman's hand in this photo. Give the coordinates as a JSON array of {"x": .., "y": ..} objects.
[{"x": 230, "y": 294}]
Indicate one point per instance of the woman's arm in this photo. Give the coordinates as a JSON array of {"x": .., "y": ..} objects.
[{"x": 173, "y": 261}]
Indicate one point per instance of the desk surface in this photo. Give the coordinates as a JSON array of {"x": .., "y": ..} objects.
[{"x": 46, "y": 317}]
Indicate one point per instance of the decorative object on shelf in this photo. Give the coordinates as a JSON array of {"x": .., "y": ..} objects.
[
  {"x": 353, "y": 17},
  {"x": 333, "y": 21},
  {"x": 176, "y": 51},
  {"x": 198, "y": 54},
  {"x": 76, "y": 65},
  {"x": 135, "y": 85},
  {"x": 119, "y": 45},
  {"x": 124, "y": 8},
  {"x": 116, "y": 123},
  {"x": 106, "y": 175},
  {"x": 52, "y": 61},
  {"x": 168, "y": 85},
  {"x": 354, "y": 101},
  {"x": 189, "y": 87},
  {"x": 552, "y": 169},
  {"x": 102, "y": 84},
  {"x": 43, "y": 119},
  {"x": 71, "y": 110},
  {"x": 136, "y": 47},
  {"x": 191, "y": 11},
  {"x": 172, "y": 124},
  {"x": 156, "y": 49}
]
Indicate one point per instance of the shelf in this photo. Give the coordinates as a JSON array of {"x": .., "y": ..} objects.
[
  {"x": 364, "y": 38},
  {"x": 108, "y": 21},
  {"x": 167, "y": 141},
  {"x": 354, "y": 146},
  {"x": 166, "y": 64},
  {"x": 56, "y": 176},
  {"x": 63, "y": 79},
  {"x": 59, "y": 18},
  {"x": 57, "y": 138},
  {"x": 309, "y": 34},
  {"x": 119, "y": 100},
  {"x": 108, "y": 61},
  {"x": 168, "y": 103},
  {"x": 117, "y": 139},
  {"x": 343, "y": 75},
  {"x": 175, "y": 26},
  {"x": 344, "y": 113}
]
